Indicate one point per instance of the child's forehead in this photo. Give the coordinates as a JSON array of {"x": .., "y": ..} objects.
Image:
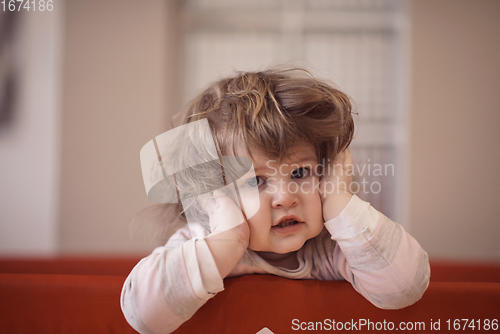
[{"x": 300, "y": 153}]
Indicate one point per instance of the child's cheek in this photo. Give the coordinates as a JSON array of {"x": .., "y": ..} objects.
[{"x": 310, "y": 185}]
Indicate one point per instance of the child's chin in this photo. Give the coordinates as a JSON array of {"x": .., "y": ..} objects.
[{"x": 279, "y": 249}]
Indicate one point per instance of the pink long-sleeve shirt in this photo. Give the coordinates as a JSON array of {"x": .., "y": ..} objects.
[{"x": 362, "y": 246}]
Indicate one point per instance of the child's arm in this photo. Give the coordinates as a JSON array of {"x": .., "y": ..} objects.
[
  {"x": 383, "y": 262},
  {"x": 166, "y": 288}
]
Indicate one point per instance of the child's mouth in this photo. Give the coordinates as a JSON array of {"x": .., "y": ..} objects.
[{"x": 288, "y": 225}]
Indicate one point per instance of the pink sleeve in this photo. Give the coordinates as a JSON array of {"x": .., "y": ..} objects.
[
  {"x": 383, "y": 262},
  {"x": 166, "y": 288}
]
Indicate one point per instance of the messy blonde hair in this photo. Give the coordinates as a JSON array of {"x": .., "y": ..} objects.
[{"x": 271, "y": 111}]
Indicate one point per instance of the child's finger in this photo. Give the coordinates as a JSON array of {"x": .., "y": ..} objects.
[{"x": 226, "y": 215}]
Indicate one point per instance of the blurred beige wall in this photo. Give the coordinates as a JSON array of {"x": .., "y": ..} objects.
[
  {"x": 455, "y": 119},
  {"x": 120, "y": 86},
  {"x": 29, "y": 144},
  {"x": 115, "y": 100}
]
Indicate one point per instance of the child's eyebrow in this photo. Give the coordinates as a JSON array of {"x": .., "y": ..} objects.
[{"x": 300, "y": 157}]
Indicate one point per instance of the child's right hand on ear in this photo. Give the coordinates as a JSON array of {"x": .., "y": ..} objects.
[
  {"x": 224, "y": 214},
  {"x": 230, "y": 231}
]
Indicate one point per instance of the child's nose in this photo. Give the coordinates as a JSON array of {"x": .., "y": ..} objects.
[{"x": 284, "y": 197}]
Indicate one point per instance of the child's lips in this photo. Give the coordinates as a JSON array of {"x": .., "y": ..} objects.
[
  {"x": 287, "y": 224},
  {"x": 288, "y": 228},
  {"x": 287, "y": 218}
]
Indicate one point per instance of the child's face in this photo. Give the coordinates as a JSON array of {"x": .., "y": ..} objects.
[{"x": 290, "y": 210}]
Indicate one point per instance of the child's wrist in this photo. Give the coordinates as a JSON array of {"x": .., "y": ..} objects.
[
  {"x": 334, "y": 204},
  {"x": 227, "y": 248},
  {"x": 236, "y": 234}
]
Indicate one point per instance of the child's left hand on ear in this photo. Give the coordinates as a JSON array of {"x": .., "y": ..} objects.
[{"x": 334, "y": 187}]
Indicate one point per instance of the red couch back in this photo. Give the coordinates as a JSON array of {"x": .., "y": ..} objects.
[
  {"x": 81, "y": 295},
  {"x": 39, "y": 303},
  {"x": 441, "y": 270}
]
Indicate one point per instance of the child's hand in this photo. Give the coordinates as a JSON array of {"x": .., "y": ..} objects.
[
  {"x": 224, "y": 215},
  {"x": 334, "y": 187},
  {"x": 230, "y": 231}
]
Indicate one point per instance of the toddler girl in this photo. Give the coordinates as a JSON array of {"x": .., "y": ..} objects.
[{"x": 288, "y": 213}]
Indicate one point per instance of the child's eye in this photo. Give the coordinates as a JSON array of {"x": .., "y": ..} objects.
[
  {"x": 255, "y": 182},
  {"x": 300, "y": 173}
]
